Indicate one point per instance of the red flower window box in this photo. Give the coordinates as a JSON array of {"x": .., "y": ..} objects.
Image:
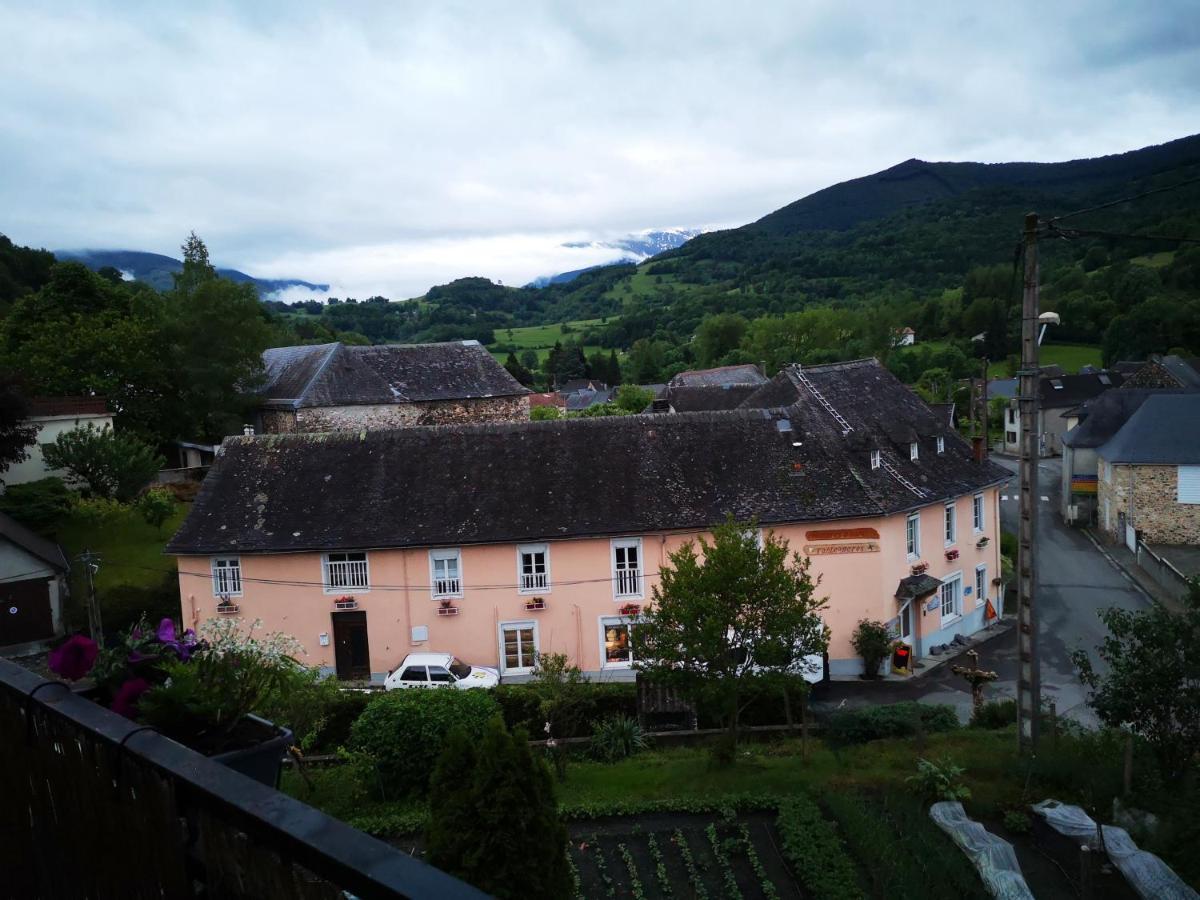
[
  {"x": 951, "y": 554},
  {"x": 227, "y": 608},
  {"x": 345, "y": 603},
  {"x": 631, "y": 609},
  {"x": 920, "y": 568},
  {"x": 447, "y": 611},
  {"x": 535, "y": 604}
]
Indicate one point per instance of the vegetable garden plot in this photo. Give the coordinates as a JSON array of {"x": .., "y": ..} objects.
[{"x": 701, "y": 859}]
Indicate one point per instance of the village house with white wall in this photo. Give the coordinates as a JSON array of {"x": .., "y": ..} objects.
[
  {"x": 53, "y": 416},
  {"x": 347, "y": 387},
  {"x": 482, "y": 540}
]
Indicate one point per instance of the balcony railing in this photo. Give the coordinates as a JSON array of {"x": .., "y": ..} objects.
[
  {"x": 342, "y": 575},
  {"x": 535, "y": 581},
  {"x": 447, "y": 587},
  {"x": 95, "y": 805},
  {"x": 629, "y": 582}
]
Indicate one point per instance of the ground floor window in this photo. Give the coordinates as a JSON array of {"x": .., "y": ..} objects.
[
  {"x": 615, "y": 649},
  {"x": 981, "y": 585},
  {"x": 951, "y": 597},
  {"x": 518, "y": 647}
]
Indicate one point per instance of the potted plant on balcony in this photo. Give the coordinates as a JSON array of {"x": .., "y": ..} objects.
[
  {"x": 200, "y": 690},
  {"x": 535, "y": 603}
]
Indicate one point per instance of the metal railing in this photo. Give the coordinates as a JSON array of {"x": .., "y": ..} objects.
[
  {"x": 447, "y": 587},
  {"x": 629, "y": 582},
  {"x": 346, "y": 575},
  {"x": 95, "y": 805},
  {"x": 536, "y": 581}
]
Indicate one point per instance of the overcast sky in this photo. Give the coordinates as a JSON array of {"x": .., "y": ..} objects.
[{"x": 387, "y": 147}]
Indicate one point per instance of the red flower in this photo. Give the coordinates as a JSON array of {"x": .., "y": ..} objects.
[
  {"x": 74, "y": 658},
  {"x": 125, "y": 702}
]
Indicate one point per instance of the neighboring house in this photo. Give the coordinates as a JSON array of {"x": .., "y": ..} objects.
[
  {"x": 1149, "y": 474},
  {"x": 699, "y": 390},
  {"x": 553, "y": 398},
  {"x": 484, "y": 541},
  {"x": 1100, "y": 420},
  {"x": 1059, "y": 396},
  {"x": 1167, "y": 372},
  {"x": 344, "y": 387},
  {"x": 33, "y": 585},
  {"x": 905, "y": 337},
  {"x": 53, "y": 416},
  {"x": 579, "y": 400}
]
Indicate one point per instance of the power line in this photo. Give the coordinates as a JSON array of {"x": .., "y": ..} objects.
[
  {"x": 1118, "y": 202},
  {"x": 1072, "y": 233}
]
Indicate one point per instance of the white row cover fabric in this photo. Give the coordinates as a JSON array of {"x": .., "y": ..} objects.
[
  {"x": 1145, "y": 872},
  {"x": 992, "y": 856}
]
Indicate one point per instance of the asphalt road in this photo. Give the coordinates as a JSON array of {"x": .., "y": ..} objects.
[{"x": 1076, "y": 581}]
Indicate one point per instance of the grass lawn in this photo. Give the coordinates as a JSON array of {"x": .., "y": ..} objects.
[
  {"x": 1154, "y": 260},
  {"x": 542, "y": 338},
  {"x": 1072, "y": 358}
]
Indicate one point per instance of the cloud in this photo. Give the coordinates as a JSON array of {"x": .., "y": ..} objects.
[{"x": 385, "y": 147}]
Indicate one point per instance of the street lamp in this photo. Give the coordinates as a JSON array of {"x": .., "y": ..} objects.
[{"x": 1046, "y": 319}]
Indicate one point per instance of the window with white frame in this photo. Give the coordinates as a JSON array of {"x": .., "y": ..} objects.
[
  {"x": 1188, "y": 490},
  {"x": 912, "y": 451},
  {"x": 913, "y": 529},
  {"x": 951, "y": 524},
  {"x": 445, "y": 569},
  {"x": 346, "y": 572},
  {"x": 981, "y": 585},
  {"x": 876, "y": 459},
  {"x": 533, "y": 568},
  {"x": 977, "y": 512},
  {"x": 941, "y": 445},
  {"x": 627, "y": 568},
  {"x": 615, "y": 649},
  {"x": 518, "y": 647},
  {"x": 227, "y": 577},
  {"x": 951, "y": 597}
]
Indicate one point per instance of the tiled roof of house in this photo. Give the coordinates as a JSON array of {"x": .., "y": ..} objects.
[
  {"x": 1103, "y": 416},
  {"x": 720, "y": 377},
  {"x": 511, "y": 482},
  {"x": 68, "y": 406},
  {"x": 698, "y": 398},
  {"x": 348, "y": 375},
  {"x": 1165, "y": 430},
  {"x": 1065, "y": 391},
  {"x": 34, "y": 544}
]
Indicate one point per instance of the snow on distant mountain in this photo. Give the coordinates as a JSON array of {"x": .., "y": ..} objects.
[
  {"x": 156, "y": 270},
  {"x": 632, "y": 248}
]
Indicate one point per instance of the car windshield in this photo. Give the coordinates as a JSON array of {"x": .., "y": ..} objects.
[{"x": 459, "y": 668}]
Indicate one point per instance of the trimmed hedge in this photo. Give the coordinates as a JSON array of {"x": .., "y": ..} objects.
[
  {"x": 520, "y": 706},
  {"x": 871, "y": 723},
  {"x": 815, "y": 851},
  {"x": 402, "y": 733}
]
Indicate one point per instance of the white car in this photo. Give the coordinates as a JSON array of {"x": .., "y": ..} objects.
[{"x": 435, "y": 670}]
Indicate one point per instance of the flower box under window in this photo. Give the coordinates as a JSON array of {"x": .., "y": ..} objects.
[
  {"x": 982, "y": 542},
  {"x": 345, "y": 603},
  {"x": 535, "y": 604},
  {"x": 920, "y": 568},
  {"x": 631, "y": 609},
  {"x": 951, "y": 554},
  {"x": 227, "y": 608},
  {"x": 447, "y": 609}
]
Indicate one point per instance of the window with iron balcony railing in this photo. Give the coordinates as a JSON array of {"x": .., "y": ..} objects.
[
  {"x": 629, "y": 582},
  {"x": 447, "y": 587},
  {"x": 346, "y": 572},
  {"x": 535, "y": 581}
]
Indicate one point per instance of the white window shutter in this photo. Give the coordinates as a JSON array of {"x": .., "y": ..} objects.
[{"x": 1189, "y": 484}]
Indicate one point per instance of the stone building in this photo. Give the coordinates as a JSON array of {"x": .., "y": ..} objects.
[
  {"x": 340, "y": 387},
  {"x": 1149, "y": 474}
]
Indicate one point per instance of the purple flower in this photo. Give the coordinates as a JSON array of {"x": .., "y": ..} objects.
[
  {"x": 126, "y": 699},
  {"x": 74, "y": 658},
  {"x": 166, "y": 631}
]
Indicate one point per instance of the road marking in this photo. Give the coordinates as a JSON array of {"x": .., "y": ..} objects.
[
  {"x": 1045, "y": 499},
  {"x": 1004, "y": 497}
]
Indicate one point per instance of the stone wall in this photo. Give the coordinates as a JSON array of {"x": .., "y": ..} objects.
[
  {"x": 277, "y": 421},
  {"x": 1148, "y": 496},
  {"x": 403, "y": 415}
]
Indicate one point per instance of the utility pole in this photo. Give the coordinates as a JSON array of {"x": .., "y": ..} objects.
[
  {"x": 983, "y": 402},
  {"x": 91, "y": 565},
  {"x": 1029, "y": 690}
]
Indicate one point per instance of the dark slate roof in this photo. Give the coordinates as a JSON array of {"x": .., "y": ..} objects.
[
  {"x": 36, "y": 545},
  {"x": 945, "y": 410},
  {"x": 1065, "y": 391},
  {"x": 1002, "y": 387},
  {"x": 916, "y": 586},
  {"x": 1165, "y": 430},
  {"x": 724, "y": 375},
  {"x": 698, "y": 398},
  {"x": 348, "y": 375},
  {"x": 510, "y": 482},
  {"x": 585, "y": 398},
  {"x": 1185, "y": 371},
  {"x": 1103, "y": 416}
]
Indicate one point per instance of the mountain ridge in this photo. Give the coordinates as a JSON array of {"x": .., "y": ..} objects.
[{"x": 156, "y": 269}]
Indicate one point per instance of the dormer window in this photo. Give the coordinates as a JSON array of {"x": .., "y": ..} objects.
[
  {"x": 1056, "y": 383},
  {"x": 912, "y": 451},
  {"x": 876, "y": 459},
  {"x": 941, "y": 445}
]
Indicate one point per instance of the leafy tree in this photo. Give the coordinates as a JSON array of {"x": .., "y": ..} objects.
[
  {"x": 197, "y": 269},
  {"x": 17, "y": 433},
  {"x": 493, "y": 820},
  {"x": 112, "y": 466},
  {"x": 529, "y": 359},
  {"x": 156, "y": 506},
  {"x": 518, "y": 371},
  {"x": 718, "y": 335},
  {"x": 40, "y": 505},
  {"x": 723, "y": 618},
  {"x": 632, "y": 398},
  {"x": 1153, "y": 680},
  {"x": 646, "y": 360}
]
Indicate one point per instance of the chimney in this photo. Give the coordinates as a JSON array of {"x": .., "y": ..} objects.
[
  {"x": 978, "y": 449},
  {"x": 248, "y": 430}
]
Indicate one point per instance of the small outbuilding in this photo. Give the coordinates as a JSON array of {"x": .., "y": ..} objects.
[{"x": 33, "y": 585}]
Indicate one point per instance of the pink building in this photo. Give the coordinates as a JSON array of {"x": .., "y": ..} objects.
[{"x": 496, "y": 542}]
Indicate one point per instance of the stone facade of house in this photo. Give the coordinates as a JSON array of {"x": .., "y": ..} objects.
[
  {"x": 397, "y": 415},
  {"x": 1146, "y": 498}
]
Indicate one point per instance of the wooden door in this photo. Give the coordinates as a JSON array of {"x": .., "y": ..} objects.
[
  {"x": 25, "y": 611},
  {"x": 351, "y": 652}
]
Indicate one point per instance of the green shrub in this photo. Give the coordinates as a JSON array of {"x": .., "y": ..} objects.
[
  {"x": 1008, "y": 545},
  {"x": 317, "y": 710},
  {"x": 617, "y": 738},
  {"x": 520, "y": 705},
  {"x": 124, "y": 605},
  {"x": 941, "y": 780},
  {"x": 873, "y": 642},
  {"x": 815, "y": 852},
  {"x": 995, "y": 714},
  {"x": 39, "y": 505},
  {"x": 403, "y": 732},
  {"x": 1017, "y": 822},
  {"x": 870, "y": 723},
  {"x": 763, "y": 704}
]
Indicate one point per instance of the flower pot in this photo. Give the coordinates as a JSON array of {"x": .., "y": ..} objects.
[{"x": 263, "y": 760}]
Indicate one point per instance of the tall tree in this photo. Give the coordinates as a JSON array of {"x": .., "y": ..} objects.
[
  {"x": 17, "y": 434},
  {"x": 197, "y": 269},
  {"x": 732, "y": 613},
  {"x": 718, "y": 335},
  {"x": 518, "y": 371},
  {"x": 114, "y": 466}
]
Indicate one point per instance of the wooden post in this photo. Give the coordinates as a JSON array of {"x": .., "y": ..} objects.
[{"x": 1029, "y": 695}]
